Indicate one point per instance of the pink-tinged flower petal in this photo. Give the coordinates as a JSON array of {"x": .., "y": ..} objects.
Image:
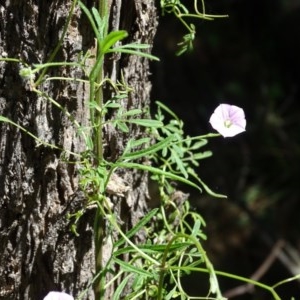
[
  {"x": 58, "y": 296},
  {"x": 228, "y": 120}
]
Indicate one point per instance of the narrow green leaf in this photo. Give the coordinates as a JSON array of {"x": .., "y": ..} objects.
[
  {"x": 128, "y": 147},
  {"x": 137, "y": 287},
  {"x": 137, "y": 227},
  {"x": 130, "y": 268},
  {"x": 113, "y": 105},
  {"x": 101, "y": 23},
  {"x": 111, "y": 39},
  {"x": 164, "y": 152},
  {"x": 150, "y": 150},
  {"x": 214, "y": 286},
  {"x": 122, "y": 126},
  {"x": 8, "y": 59},
  {"x": 179, "y": 163},
  {"x": 121, "y": 96},
  {"x": 153, "y": 249},
  {"x": 165, "y": 108},
  {"x": 136, "y": 143},
  {"x": 129, "y": 165},
  {"x": 90, "y": 17},
  {"x": 173, "y": 129},
  {"x": 97, "y": 17},
  {"x": 196, "y": 228},
  {"x": 199, "y": 144},
  {"x": 206, "y": 188},
  {"x": 39, "y": 67},
  {"x": 120, "y": 288},
  {"x": 146, "y": 122},
  {"x": 95, "y": 105},
  {"x": 202, "y": 155},
  {"x": 134, "y": 46},
  {"x": 172, "y": 294},
  {"x": 133, "y": 52},
  {"x": 180, "y": 151},
  {"x": 193, "y": 162},
  {"x": 132, "y": 112},
  {"x": 210, "y": 192}
]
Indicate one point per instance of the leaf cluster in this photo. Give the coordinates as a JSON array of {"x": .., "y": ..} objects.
[{"x": 182, "y": 13}]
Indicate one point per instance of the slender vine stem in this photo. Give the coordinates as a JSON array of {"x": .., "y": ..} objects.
[
  {"x": 114, "y": 223},
  {"x": 96, "y": 79},
  {"x": 99, "y": 231},
  {"x": 96, "y": 94},
  {"x": 232, "y": 276},
  {"x": 209, "y": 266}
]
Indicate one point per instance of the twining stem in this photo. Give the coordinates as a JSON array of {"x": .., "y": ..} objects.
[
  {"x": 96, "y": 94},
  {"x": 96, "y": 81},
  {"x": 232, "y": 276},
  {"x": 99, "y": 231}
]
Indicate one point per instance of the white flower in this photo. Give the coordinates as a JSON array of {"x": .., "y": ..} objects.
[
  {"x": 58, "y": 296},
  {"x": 228, "y": 120}
]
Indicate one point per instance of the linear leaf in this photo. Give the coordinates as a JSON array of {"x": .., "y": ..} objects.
[
  {"x": 179, "y": 164},
  {"x": 113, "y": 105},
  {"x": 153, "y": 249},
  {"x": 199, "y": 144},
  {"x": 122, "y": 126},
  {"x": 152, "y": 149},
  {"x": 157, "y": 171},
  {"x": 196, "y": 228},
  {"x": 132, "y": 112},
  {"x": 167, "y": 109},
  {"x": 111, "y": 39},
  {"x": 101, "y": 23},
  {"x": 134, "y": 46},
  {"x": 137, "y": 227},
  {"x": 130, "y": 268},
  {"x": 206, "y": 188},
  {"x": 120, "y": 288},
  {"x": 91, "y": 19},
  {"x": 133, "y": 52},
  {"x": 136, "y": 143},
  {"x": 146, "y": 122},
  {"x": 202, "y": 155}
]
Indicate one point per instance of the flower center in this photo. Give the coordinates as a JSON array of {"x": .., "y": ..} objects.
[{"x": 227, "y": 123}]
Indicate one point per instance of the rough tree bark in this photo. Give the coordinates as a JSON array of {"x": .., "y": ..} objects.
[{"x": 38, "y": 187}]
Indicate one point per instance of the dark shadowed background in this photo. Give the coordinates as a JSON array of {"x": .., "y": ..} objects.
[{"x": 252, "y": 60}]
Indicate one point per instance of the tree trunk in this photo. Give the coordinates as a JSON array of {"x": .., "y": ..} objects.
[{"x": 39, "y": 184}]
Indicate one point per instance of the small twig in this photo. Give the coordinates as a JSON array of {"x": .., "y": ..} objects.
[
  {"x": 264, "y": 267},
  {"x": 290, "y": 258}
]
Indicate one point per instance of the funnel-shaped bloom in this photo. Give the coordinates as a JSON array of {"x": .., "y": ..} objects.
[
  {"x": 228, "y": 120},
  {"x": 58, "y": 296}
]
